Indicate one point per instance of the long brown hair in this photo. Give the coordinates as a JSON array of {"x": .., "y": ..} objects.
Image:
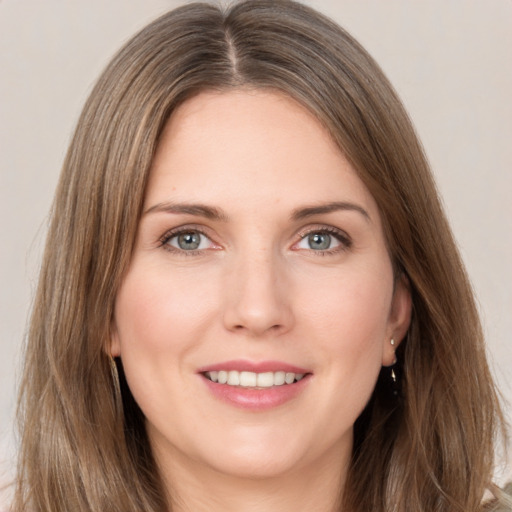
[{"x": 427, "y": 448}]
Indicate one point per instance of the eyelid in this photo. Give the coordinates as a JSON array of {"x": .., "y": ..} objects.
[
  {"x": 187, "y": 228},
  {"x": 343, "y": 237}
]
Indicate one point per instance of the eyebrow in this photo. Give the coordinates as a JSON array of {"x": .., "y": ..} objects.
[
  {"x": 199, "y": 210},
  {"x": 213, "y": 213},
  {"x": 309, "y": 211}
]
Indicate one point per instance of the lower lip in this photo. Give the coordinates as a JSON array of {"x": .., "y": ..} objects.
[{"x": 260, "y": 399}]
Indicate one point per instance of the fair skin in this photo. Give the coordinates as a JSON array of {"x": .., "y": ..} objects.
[{"x": 260, "y": 245}]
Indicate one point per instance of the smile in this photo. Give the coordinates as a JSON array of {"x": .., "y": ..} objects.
[
  {"x": 248, "y": 379},
  {"x": 255, "y": 386}
]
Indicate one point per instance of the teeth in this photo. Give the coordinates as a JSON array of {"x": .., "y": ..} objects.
[
  {"x": 233, "y": 378},
  {"x": 247, "y": 379},
  {"x": 279, "y": 378},
  {"x": 253, "y": 380},
  {"x": 265, "y": 380}
]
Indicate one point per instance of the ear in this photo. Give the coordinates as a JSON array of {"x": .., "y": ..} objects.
[{"x": 399, "y": 319}]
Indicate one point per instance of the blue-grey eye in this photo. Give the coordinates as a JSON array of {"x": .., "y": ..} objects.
[
  {"x": 188, "y": 241},
  {"x": 319, "y": 241}
]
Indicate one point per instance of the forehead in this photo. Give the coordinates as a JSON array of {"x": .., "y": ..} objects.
[{"x": 253, "y": 146}]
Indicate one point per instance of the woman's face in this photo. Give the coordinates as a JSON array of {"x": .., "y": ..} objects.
[{"x": 261, "y": 259}]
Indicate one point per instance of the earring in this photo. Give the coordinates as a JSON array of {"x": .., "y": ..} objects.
[
  {"x": 394, "y": 380},
  {"x": 392, "y": 341}
]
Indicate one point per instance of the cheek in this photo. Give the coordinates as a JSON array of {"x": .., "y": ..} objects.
[
  {"x": 352, "y": 308},
  {"x": 349, "y": 321},
  {"x": 157, "y": 323},
  {"x": 155, "y": 312}
]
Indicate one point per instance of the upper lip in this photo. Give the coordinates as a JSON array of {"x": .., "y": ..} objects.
[{"x": 242, "y": 365}]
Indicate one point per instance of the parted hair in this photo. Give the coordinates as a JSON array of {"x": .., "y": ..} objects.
[{"x": 427, "y": 446}]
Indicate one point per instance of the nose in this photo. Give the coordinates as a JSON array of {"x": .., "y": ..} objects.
[{"x": 258, "y": 301}]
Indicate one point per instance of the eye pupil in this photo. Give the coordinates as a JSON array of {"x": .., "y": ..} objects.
[
  {"x": 189, "y": 241},
  {"x": 319, "y": 241}
]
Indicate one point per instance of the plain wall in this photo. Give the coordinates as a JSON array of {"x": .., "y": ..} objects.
[{"x": 449, "y": 61}]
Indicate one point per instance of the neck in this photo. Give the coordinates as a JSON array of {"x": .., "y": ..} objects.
[{"x": 198, "y": 488}]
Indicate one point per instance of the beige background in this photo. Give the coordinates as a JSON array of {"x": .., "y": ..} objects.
[{"x": 449, "y": 60}]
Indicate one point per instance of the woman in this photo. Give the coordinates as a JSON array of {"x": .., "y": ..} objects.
[{"x": 250, "y": 297}]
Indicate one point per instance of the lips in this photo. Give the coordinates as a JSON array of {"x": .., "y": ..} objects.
[
  {"x": 255, "y": 385},
  {"x": 242, "y": 365}
]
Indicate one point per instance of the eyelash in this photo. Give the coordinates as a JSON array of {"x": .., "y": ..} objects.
[
  {"x": 164, "y": 240},
  {"x": 340, "y": 236}
]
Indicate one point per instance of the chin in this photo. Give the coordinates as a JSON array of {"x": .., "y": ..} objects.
[
  {"x": 256, "y": 466},
  {"x": 271, "y": 453}
]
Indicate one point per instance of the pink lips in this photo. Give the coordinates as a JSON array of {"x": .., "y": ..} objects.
[
  {"x": 241, "y": 365},
  {"x": 255, "y": 399}
]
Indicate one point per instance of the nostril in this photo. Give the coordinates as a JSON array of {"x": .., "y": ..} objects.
[{"x": 273, "y": 328}]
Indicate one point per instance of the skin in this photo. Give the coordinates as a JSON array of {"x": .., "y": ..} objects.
[{"x": 255, "y": 289}]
